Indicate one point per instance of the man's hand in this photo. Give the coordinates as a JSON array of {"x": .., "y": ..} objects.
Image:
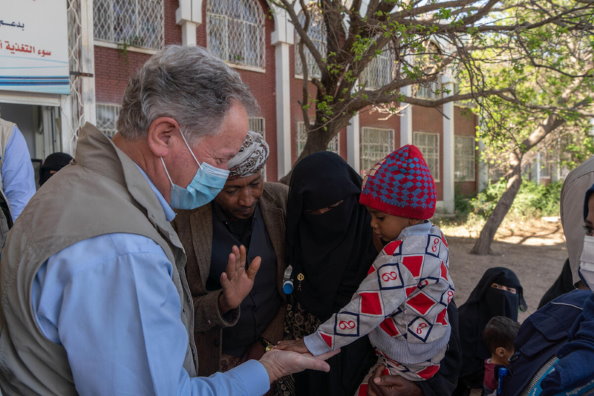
[
  {"x": 292, "y": 345},
  {"x": 280, "y": 363},
  {"x": 237, "y": 281},
  {"x": 391, "y": 385}
]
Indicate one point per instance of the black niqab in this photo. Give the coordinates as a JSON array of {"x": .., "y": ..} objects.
[
  {"x": 483, "y": 303},
  {"x": 332, "y": 250}
]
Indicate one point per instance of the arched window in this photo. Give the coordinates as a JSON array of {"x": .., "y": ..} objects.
[
  {"x": 235, "y": 31},
  {"x": 317, "y": 35},
  {"x": 136, "y": 23}
]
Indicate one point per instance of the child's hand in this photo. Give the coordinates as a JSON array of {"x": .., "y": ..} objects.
[{"x": 292, "y": 345}]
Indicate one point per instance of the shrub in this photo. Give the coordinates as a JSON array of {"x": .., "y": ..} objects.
[{"x": 533, "y": 200}]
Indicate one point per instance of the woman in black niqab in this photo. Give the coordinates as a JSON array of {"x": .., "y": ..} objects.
[
  {"x": 484, "y": 302},
  {"x": 330, "y": 246}
]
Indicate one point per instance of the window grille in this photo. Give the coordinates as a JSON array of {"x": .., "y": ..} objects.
[
  {"x": 333, "y": 144},
  {"x": 375, "y": 144},
  {"x": 136, "y": 23},
  {"x": 379, "y": 71},
  {"x": 428, "y": 143},
  {"x": 235, "y": 31},
  {"x": 464, "y": 159},
  {"x": 107, "y": 118},
  {"x": 317, "y": 35},
  {"x": 256, "y": 124},
  {"x": 428, "y": 90},
  {"x": 75, "y": 56}
]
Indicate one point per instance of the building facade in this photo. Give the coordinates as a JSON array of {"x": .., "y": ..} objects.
[{"x": 110, "y": 39}]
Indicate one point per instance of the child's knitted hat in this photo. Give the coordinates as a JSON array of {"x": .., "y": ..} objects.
[{"x": 401, "y": 185}]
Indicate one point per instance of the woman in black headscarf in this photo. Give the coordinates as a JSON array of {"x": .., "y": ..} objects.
[
  {"x": 498, "y": 293},
  {"x": 330, "y": 246}
]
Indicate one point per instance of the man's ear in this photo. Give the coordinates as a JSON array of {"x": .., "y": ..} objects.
[{"x": 159, "y": 136}]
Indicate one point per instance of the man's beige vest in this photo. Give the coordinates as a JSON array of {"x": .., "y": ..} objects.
[{"x": 102, "y": 193}]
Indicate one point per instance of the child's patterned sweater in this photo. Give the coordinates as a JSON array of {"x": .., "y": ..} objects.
[{"x": 401, "y": 304}]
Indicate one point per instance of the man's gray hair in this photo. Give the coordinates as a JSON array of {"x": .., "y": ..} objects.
[{"x": 188, "y": 84}]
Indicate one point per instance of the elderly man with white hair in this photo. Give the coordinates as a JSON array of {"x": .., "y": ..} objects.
[
  {"x": 94, "y": 298},
  {"x": 235, "y": 324}
]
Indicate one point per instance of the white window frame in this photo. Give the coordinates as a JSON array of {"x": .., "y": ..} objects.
[
  {"x": 136, "y": 39},
  {"x": 107, "y": 125},
  {"x": 333, "y": 144},
  {"x": 371, "y": 152},
  {"x": 465, "y": 159},
  {"x": 242, "y": 26},
  {"x": 430, "y": 151},
  {"x": 317, "y": 35}
]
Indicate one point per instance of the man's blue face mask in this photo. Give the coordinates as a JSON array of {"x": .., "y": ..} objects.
[{"x": 204, "y": 187}]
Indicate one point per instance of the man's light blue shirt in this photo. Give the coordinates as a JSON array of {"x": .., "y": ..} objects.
[
  {"x": 111, "y": 302},
  {"x": 18, "y": 178}
]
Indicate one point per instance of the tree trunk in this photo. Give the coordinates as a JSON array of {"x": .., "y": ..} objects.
[
  {"x": 316, "y": 141},
  {"x": 483, "y": 244}
]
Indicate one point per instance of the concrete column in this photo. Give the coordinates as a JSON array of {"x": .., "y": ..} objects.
[
  {"x": 353, "y": 143},
  {"x": 406, "y": 119},
  {"x": 88, "y": 62},
  {"x": 447, "y": 178},
  {"x": 282, "y": 39},
  {"x": 189, "y": 16}
]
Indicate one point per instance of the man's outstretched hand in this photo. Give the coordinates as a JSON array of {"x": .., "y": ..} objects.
[
  {"x": 279, "y": 363},
  {"x": 237, "y": 280}
]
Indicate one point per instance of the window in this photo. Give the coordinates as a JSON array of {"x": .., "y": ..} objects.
[
  {"x": 235, "y": 31},
  {"x": 107, "y": 118},
  {"x": 428, "y": 90},
  {"x": 547, "y": 162},
  {"x": 333, "y": 145},
  {"x": 256, "y": 124},
  {"x": 375, "y": 144},
  {"x": 464, "y": 159},
  {"x": 317, "y": 35},
  {"x": 428, "y": 143},
  {"x": 137, "y": 23},
  {"x": 379, "y": 71}
]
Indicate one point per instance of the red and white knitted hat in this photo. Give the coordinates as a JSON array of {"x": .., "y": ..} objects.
[{"x": 401, "y": 185}]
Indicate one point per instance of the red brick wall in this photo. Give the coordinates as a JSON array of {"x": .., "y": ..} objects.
[
  {"x": 113, "y": 67},
  {"x": 431, "y": 120},
  {"x": 465, "y": 121},
  {"x": 263, "y": 86}
]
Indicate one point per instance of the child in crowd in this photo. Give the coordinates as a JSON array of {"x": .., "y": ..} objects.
[
  {"x": 402, "y": 302},
  {"x": 499, "y": 335}
]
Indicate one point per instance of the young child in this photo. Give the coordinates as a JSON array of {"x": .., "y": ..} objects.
[
  {"x": 402, "y": 302},
  {"x": 499, "y": 335}
]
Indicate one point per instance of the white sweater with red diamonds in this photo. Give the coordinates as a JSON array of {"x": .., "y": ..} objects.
[{"x": 401, "y": 303}]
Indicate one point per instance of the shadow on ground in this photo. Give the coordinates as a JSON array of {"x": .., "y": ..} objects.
[{"x": 536, "y": 259}]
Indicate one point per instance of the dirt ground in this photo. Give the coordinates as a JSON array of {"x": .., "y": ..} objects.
[{"x": 533, "y": 249}]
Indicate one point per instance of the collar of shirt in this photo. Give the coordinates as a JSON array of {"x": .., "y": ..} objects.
[
  {"x": 169, "y": 213},
  {"x": 421, "y": 228}
]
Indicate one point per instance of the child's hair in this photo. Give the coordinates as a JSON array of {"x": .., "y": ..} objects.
[{"x": 500, "y": 331}]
